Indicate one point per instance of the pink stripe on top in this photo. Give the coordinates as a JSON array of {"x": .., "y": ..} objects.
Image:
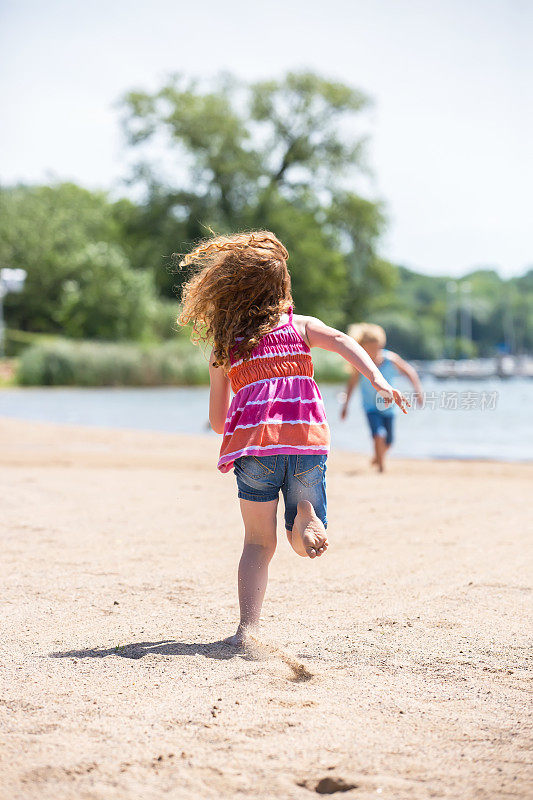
[
  {"x": 277, "y": 407},
  {"x": 276, "y": 411}
]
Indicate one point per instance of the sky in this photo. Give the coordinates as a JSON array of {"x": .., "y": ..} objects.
[{"x": 451, "y": 125}]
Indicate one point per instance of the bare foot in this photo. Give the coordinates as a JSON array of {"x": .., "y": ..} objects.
[
  {"x": 308, "y": 534},
  {"x": 240, "y": 638}
]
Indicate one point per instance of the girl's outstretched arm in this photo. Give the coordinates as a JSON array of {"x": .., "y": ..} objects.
[
  {"x": 320, "y": 335},
  {"x": 219, "y": 396}
]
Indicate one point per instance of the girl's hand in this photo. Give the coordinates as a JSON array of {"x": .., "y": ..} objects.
[
  {"x": 401, "y": 401},
  {"x": 391, "y": 395}
]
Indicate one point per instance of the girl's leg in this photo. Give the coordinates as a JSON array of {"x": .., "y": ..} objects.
[
  {"x": 308, "y": 537},
  {"x": 306, "y": 504},
  {"x": 259, "y": 547}
]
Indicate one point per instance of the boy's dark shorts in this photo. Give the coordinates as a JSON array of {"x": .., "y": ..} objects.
[
  {"x": 381, "y": 425},
  {"x": 260, "y": 478}
]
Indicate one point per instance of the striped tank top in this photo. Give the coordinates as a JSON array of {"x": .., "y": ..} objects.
[{"x": 277, "y": 407}]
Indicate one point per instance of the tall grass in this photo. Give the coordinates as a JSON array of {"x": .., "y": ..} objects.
[
  {"x": 63, "y": 362},
  {"x": 68, "y": 363}
]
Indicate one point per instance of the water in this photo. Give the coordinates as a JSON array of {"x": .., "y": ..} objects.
[{"x": 503, "y": 430}]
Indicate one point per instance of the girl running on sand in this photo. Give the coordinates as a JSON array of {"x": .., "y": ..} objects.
[{"x": 275, "y": 433}]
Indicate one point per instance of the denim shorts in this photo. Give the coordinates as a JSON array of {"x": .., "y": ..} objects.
[
  {"x": 260, "y": 478},
  {"x": 381, "y": 425}
]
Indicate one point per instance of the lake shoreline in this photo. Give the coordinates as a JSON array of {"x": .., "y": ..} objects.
[
  {"x": 210, "y": 436},
  {"x": 487, "y": 422}
]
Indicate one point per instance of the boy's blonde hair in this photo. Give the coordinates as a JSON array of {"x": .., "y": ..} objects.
[{"x": 366, "y": 332}]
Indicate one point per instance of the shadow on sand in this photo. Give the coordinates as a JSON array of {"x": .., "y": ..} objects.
[{"x": 166, "y": 647}]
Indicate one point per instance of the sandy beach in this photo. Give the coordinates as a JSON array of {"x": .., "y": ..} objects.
[{"x": 394, "y": 667}]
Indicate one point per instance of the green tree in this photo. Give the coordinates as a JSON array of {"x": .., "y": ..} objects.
[
  {"x": 265, "y": 155},
  {"x": 79, "y": 282},
  {"x": 105, "y": 298}
]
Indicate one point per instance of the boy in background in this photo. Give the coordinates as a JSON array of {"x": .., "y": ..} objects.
[{"x": 380, "y": 416}]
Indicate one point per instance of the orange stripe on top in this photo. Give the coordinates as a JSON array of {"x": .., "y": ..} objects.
[{"x": 300, "y": 434}]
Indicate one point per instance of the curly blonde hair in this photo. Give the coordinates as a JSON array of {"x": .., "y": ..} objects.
[{"x": 238, "y": 291}]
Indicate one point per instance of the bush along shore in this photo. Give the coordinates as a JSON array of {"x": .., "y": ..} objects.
[{"x": 63, "y": 362}]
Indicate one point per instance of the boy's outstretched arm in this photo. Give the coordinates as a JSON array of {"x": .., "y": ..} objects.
[
  {"x": 409, "y": 371},
  {"x": 219, "y": 396},
  {"x": 320, "y": 335},
  {"x": 353, "y": 380}
]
